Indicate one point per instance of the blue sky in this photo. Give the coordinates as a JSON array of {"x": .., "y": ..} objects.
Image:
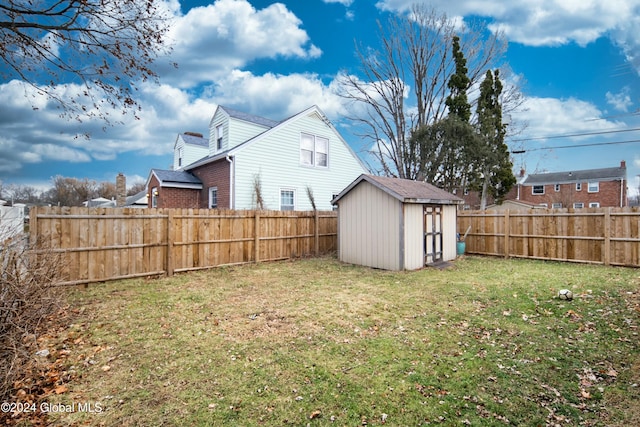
[{"x": 578, "y": 64}]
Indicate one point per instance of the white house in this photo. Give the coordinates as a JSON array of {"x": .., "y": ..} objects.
[{"x": 251, "y": 159}]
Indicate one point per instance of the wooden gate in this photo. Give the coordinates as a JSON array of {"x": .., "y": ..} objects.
[{"x": 432, "y": 234}]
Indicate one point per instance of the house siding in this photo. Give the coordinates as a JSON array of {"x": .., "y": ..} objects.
[
  {"x": 215, "y": 174},
  {"x": 275, "y": 159},
  {"x": 609, "y": 194},
  {"x": 191, "y": 153},
  {"x": 236, "y": 131},
  {"x": 363, "y": 210}
]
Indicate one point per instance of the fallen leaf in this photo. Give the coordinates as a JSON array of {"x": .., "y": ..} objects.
[
  {"x": 585, "y": 394},
  {"x": 106, "y": 368},
  {"x": 60, "y": 389},
  {"x": 314, "y": 414}
]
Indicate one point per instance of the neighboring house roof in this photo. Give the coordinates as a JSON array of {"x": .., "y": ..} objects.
[
  {"x": 515, "y": 204},
  {"x": 405, "y": 190},
  {"x": 175, "y": 179},
  {"x": 249, "y": 117},
  {"x": 604, "y": 174},
  {"x": 97, "y": 202},
  {"x": 139, "y": 199}
]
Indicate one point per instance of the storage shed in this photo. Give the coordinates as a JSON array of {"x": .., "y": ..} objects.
[{"x": 395, "y": 224}]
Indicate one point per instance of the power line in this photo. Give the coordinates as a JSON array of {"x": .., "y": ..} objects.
[
  {"x": 605, "y": 132},
  {"x": 575, "y": 146}
]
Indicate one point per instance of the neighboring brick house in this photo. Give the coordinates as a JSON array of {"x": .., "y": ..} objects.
[
  {"x": 594, "y": 188},
  {"x": 247, "y": 156}
]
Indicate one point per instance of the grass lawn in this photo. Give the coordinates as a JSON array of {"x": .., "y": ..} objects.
[{"x": 317, "y": 342}]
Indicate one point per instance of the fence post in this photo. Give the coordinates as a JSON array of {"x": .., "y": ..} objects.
[
  {"x": 506, "y": 233},
  {"x": 169, "y": 260},
  {"x": 316, "y": 232},
  {"x": 256, "y": 243},
  {"x": 607, "y": 237}
]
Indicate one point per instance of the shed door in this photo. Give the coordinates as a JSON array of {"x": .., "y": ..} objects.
[{"x": 432, "y": 234}]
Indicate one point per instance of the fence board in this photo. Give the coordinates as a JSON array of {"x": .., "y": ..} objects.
[
  {"x": 609, "y": 236},
  {"x": 106, "y": 244}
]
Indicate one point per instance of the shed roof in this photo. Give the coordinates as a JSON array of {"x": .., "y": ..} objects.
[
  {"x": 405, "y": 190},
  {"x": 604, "y": 174}
]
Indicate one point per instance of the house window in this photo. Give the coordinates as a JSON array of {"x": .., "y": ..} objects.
[
  {"x": 593, "y": 187},
  {"x": 538, "y": 189},
  {"x": 287, "y": 200},
  {"x": 219, "y": 136},
  {"x": 578, "y": 205},
  {"x": 154, "y": 197},
  {"x": 556, "y": 205},
  {"x": 557, "y": 187},
  {"x": 578, "y": 186},
  {"x": 213, "y": 197},
  {"x": 594, "y": 204},
  {"x": 314, "y": 150},
  {"x": 180, "y": 155}
]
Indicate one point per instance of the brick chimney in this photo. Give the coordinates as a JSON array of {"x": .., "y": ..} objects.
[
  {"x": 623, "y": 164},
  {"x": 121, "y": 190}
]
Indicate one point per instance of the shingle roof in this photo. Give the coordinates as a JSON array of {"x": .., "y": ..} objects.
[
  {"x": 177, "y": 177},
  {"x": 194, "y": 140},
  {"x": 250, "y": 117},
  {"x": 604, "y": 174},
  {"x": 405, "y": 190}
]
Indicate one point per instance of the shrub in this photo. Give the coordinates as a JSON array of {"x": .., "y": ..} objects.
[{"x": 28, "y": 275}]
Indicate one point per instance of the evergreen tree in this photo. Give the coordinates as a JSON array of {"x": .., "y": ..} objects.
[
  {"x": 458, "y": 84},
  {"x": 493, "y": 164}
]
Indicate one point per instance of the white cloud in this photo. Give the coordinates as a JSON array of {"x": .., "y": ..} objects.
[
  {"x": 344, "y": 2},
  {"x": 620, "y": 101},
  {"x": 551, "y": 117},
  {"x": 545, "y": 22},
  {"x": 212, "y": 40},
  {"x": 276, "y": 96}
]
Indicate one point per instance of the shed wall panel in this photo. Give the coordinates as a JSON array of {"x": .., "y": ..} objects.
[{"x": 369, "y": 223}]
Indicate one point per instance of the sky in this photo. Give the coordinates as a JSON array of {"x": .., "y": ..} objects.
[{"x": 576, "y": 62}]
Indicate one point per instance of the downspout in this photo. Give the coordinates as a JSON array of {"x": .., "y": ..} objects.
[
  {"x": 621, "y": 192},
  {"x": 232, "y": 173}
]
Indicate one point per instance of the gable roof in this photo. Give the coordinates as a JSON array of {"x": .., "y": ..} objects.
[
  {"x": 175, "y": 179},
  {"x": 404, "y": 190},
  {"x": 604, "y": 174},
  {"x": 278, "y": 125},
  {"x": 262, "y": 121}
]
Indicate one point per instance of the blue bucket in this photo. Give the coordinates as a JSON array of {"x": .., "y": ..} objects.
[{"x": 460, "y": 248}]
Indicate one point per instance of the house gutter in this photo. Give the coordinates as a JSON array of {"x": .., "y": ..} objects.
[{"x": 232, "y": 173}]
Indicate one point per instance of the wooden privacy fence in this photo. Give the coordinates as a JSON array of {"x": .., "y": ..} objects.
[
  {"x": 100, "y": 244},
  {"x": 609, "y": 236}
]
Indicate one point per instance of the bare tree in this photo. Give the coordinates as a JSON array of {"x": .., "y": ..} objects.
[
  {"x": 106, "y": 46},
  {"x": 71, "y": 191},
  {"x": 403, "y": 84}
]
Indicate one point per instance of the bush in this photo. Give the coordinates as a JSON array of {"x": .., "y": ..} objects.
[{"x": 28, "y": 298}]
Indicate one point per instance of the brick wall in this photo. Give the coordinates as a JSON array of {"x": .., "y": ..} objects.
[
  {"x": 174, "y": 197},
  {"x": 216, "y": 174},
  {"x": 608, "y": 194}
]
